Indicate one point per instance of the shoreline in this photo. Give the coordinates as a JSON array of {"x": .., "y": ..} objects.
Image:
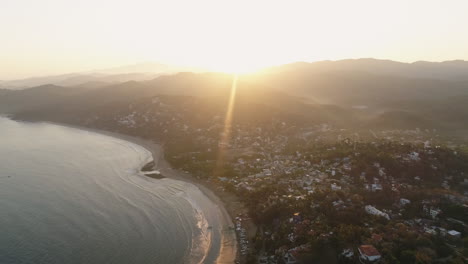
[{"x": 228, "y": 251}]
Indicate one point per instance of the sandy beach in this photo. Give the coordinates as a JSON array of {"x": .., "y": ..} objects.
[
  {"x": 228, "y": 252},
  {"x": 228, "y": 247}
]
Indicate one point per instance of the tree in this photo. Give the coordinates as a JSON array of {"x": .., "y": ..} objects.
[
  {"x": 424, "y": 256},
  {"x": 407, "y": 257}
]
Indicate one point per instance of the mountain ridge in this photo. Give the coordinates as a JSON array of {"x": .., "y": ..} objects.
[{"x": 347, "y": 98}]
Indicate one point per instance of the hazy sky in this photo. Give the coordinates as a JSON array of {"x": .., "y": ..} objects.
[{"x": 56, "y": 36}]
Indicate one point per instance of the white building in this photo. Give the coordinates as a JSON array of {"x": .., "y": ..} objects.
[
  {"x": 368, "y": 254},
  {"x": 454, "y": 234},
  {"x": 335, "y": 187},
  {"x": 348, "y": 253},
  {"x": 404, "y": 201},
  {"x": 434, "y": 212},
  {"x": 376, "y": 187},
  {"x": 374, "y": 211}
]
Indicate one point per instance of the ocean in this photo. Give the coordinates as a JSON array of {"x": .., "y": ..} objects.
[{"x": 73, "y": 196}]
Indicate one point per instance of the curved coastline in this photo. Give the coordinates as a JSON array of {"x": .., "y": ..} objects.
[{"x": 228, "y": 245}]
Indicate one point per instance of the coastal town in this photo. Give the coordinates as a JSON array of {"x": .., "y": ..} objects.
[
  {"x": 349, "y": 199},
  {"x": 234, "y": 132},
  {"x": 317, "y": 193}
]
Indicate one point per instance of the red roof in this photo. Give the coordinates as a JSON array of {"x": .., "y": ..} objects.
[{"x": 369, "y": 250}]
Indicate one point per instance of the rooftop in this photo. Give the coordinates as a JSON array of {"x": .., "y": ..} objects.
[{"x": 369, "y": 250}]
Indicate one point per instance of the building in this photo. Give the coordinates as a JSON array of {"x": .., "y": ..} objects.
[
  {"x": 368, "y": 254},
  {"x": 404, "y": 201},
  {"x": 374, "y": 211},
  {"x": 434, "y": 212},
  {"x": 431, "y": 211},
  {"x": 454, "y": 238},
  {"x": 454, "y": 234},
  {"x": 289, "y": 258},
  {"x": 335, "y": 187},
  {"x": 347, "y": 253},
  {"x": 376, "y": 187}
]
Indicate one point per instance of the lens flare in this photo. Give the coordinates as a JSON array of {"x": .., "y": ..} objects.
[{"x": 226, "y": 134}]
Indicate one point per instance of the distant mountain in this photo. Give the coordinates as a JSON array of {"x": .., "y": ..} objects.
[
  {"x": 368, "y": 82},
  {"x": 12, "y": 101},
  {"x": 148, "y": 67},
  {"x": 34, "y": 81},
  {"x": 198, "y": 95},
  {"x": 456, "y": 70},
  {"x": 371, "y": 94},
  {"x": 136, "y": 72}
]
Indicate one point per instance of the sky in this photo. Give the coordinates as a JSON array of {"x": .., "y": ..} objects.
[{"x": 60, "y": 36}]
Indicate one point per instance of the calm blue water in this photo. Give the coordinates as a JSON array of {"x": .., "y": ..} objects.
[{"x": 72, "y": 196}]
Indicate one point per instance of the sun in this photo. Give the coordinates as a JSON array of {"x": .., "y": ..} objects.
[
  {"x": 235, "y": 64},
  {"x": 235, "y": 68}
]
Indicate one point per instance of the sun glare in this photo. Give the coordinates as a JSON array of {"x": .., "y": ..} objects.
[
  {"x": 237, "y": 67},
  {"x": 229, "y": 36},
  {"x": 226, "y": 135}
]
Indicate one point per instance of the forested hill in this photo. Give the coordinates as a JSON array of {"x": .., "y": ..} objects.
[{"x": 348, "y": 97}]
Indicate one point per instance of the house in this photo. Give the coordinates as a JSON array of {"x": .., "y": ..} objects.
[
  {"x": 374, "y": 211},
  {"x": 289, "y": 258},
  {"x": 337, "y": 203},
  {"x": 445, "y": 185},
  {"x": 434, "y": 212},
  {"x": 368, "y": 254},
  {"x": 453, "y": 238},
  {"x": 376, "y": 187},
  {"x": 454, "y": 234},
  {"x": 373, "y": 187},
  {"x": 404, "y": 201},
  {"x": 347, "y": 253},
  {"x": 414, "y": 156},
  {"x": 335, "y": 187},
  {"x": 430, "y": 230}
]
